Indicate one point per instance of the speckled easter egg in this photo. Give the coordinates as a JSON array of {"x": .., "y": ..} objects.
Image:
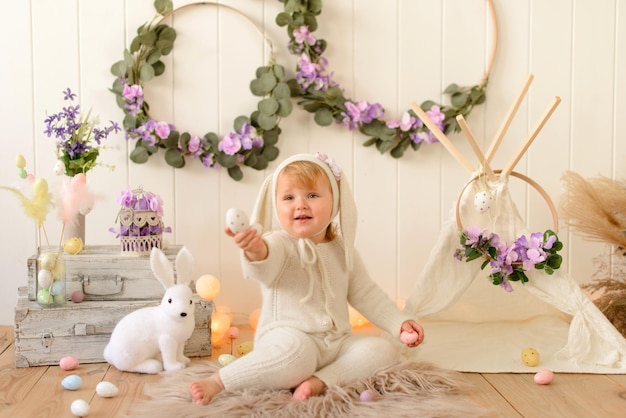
[
  {"x": 482, "y": 201},
  {"x": 107, "y": 389},
  {"x": 544, "y": 377},
  {"x": 237, "y": 220},
  {"x": 530, "y": 357},
  {"x": 72, "y": 382},
  {"x": 245, "y": 347},
  {"x": 69, "y": 363},
  {"x": 44, "y": 297},
  {"x": 79, "y": 408}
]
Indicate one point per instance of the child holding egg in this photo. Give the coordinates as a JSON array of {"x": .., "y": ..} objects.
[{"x": 309, "y": 271}]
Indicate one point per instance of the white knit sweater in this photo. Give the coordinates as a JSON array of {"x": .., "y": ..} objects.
[{"x": 289, "y": 300}]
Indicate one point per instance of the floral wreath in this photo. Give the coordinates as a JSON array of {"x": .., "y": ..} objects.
[
  {"x": 324, "y": 97},
  {"x": 509, "y": 262},
  {"x": 253, "y": 141}
]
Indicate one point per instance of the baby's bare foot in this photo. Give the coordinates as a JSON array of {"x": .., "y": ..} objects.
[
  {"x": 310, "y": 387},
  {"x": 202, "y": 391}
]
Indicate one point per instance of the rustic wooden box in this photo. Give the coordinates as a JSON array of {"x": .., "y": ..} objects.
[
  {"x": 45, "y": 335},
  {"x": 102, "y": 272}
]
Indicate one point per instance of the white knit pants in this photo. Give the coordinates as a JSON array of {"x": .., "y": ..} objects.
[{"x": 284, "y": 357}]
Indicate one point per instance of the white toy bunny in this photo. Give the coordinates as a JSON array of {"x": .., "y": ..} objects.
[{"x": 140, "y": 336}]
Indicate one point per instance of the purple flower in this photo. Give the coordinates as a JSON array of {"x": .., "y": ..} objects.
[
  {"x": 133, "y": 93},
  {"x": 302, "y": 35},
  {"x": 194, "y": 144},
  {"x": 230, "y": 144},
  {"x": 162, "y": 130},
  {"x": 405, "y": 123}
]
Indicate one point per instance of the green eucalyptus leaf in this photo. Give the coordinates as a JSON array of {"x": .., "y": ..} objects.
[
  {"x": 148, "y": 38},
  {"x": 458, "y": 99},
  {"x": 267, "y": 121},
  {"x": 226, "y": 160},
  {"x": 268, "y": 106},
  {"x": 235, "y": 173},
  {"x": 130, "y": 121},
  {"x": 267, "y": 82},
  {"x": 270, "y": 137},
  {"x": 279, "y": 71},
  {"x": 370, "y": 142},
  {"x": 239, "y": 121},
  {"x": 135, "y": 44},
  {"x": 171, "y": 142},
  {"x": 323, "y": 116},
  {"x": 174, "y": 158},
  {"x": 285, "y": 108},
  {"x": 139, "y": 155},
  {"x": 119, "y": 69},
  {"x": 159, "y": 68},
  {"x": 256, "y": 88},
  {"x": 183, "y": 142},
  {"x": 146, "y": 72},
  {"x": 281, "y": 91},
  {"x": 163, "y": 7},
  {"x": 270, "y": 153},
  {"x": 153, "y": 57},
  {"x": 283, "y": 19},
  {"x": 451, "y": 89}
]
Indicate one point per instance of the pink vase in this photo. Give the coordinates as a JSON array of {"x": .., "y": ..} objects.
[{"x": 75, "y": 228}]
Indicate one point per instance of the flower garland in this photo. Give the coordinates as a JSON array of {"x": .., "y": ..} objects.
[
  {"x": 324, "y": 97},
  {"x": 509, "y": 262},
  {"x": 253, "y": 141}
]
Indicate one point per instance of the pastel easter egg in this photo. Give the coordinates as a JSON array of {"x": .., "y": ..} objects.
[
  {"x": 44, "y": 279},
  {"x": 68, "y": 363},
  {"x": 40, "y": 188},
  {"x": 43, "y": 297},
  {"x": 409, "y": 337},
  {"x": 20, "y": 161},
  {"x": 530, "y": 357},
  {"x": 57, "y": 288},
  {"x": 59, "y": 271},
  {"x": 72, "y": 382},
  {"x": 368, "y": 395},
  {"x": 59, "y": 168},
  {"x": 544, "y": 377},
  {"x": 79, "y": 408},
  {"x": 226, "y": 359},
  {"x": 48, "y": 260},
  {"x": 245, "y": 347},
  {"x": 237, "y": 220},
  {"x": 73, "y": 245},
  {"x": 77, "y": 296},
  {"x": 107, "y": 389},
  {"x": 22, "y": 173},
  {"x": 233, "y": 332},
  {"x": 482, "y": 201}
]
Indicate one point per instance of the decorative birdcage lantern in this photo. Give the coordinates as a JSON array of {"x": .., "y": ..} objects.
[{"x": 140, "y": 224}]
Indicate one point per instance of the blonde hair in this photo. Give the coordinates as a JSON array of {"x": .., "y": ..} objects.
[{"x": 307, "y": 174}]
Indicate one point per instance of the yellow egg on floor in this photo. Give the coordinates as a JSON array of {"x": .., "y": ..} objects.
[{"x": 530, "y": 357}]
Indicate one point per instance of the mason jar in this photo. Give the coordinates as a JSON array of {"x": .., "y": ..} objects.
[{"x": 50, "y": 278}]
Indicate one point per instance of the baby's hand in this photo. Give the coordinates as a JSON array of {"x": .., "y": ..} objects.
[{"x": 411, "y": 333}]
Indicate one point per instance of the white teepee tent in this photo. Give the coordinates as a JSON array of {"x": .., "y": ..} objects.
[{"x": 472, "y": 325}]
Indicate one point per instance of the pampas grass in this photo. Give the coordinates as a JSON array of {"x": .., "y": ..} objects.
[{"x": 595, "y": 208}]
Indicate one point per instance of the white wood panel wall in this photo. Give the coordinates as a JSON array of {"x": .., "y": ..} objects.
[{"x": 393, "y": 52}]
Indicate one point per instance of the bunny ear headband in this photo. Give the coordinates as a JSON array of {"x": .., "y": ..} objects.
[{"x": 264, "y": 211}]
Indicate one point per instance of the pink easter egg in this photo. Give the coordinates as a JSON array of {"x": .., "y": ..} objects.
[
  {"x": 368, "y": 395},
  {"x": 408, "y": 337},
  {"x": 233, "y": 332},
  {"x": 78, "y": 180},
  {"x": 69, "y": 363},
  {"x": 77, "y": 296},
  {"x": 543, "y": 377}
]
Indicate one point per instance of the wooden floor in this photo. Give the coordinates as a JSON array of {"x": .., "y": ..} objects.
[{"x": 36, "y": 392}]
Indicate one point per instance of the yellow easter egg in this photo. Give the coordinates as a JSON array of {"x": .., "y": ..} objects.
[
  {"x": 48, "y": 260},
  {"x": 226, "y": 359},
  {"x": 40, "y": 188},
  {"x": 20, "y": 161},
  {"x": 207, "y": 287},
  {"x": 530, "y": 357},
  {"x": 245, "y": 347},
  {"x": 73, "y": 245}
]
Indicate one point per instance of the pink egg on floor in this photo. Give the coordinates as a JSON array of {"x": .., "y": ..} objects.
[
  {"x": 408, "y": 337},
  {"x": 77, "y": 296},
  {"x": 69, "y": 363},
  {"x": 369, "y": 395},
  {"x": 543, "y": 377}
]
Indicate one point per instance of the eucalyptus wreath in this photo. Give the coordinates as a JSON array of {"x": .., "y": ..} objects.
[
  {"x": 323, "y": 97},
  {"x": 252, "y": 142}
]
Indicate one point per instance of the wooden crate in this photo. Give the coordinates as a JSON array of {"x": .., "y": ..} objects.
[
  {"x": 45, "y": 335},
  {"x": 102, "y": 272}
]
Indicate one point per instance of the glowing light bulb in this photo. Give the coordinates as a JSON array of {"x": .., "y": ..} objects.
[{"x": 207, "y": 287}]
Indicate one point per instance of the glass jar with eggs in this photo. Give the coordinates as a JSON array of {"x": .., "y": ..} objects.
[{"x": 50, "y": 277}]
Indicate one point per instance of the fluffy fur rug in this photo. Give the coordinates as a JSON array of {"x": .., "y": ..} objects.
[{"x": 409, "y": 389}]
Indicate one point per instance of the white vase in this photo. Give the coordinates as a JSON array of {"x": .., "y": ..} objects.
[{"x": 75, "y": 227}]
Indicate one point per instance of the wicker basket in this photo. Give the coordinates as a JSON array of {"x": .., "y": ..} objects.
[{"x": 142, "y": 228}]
